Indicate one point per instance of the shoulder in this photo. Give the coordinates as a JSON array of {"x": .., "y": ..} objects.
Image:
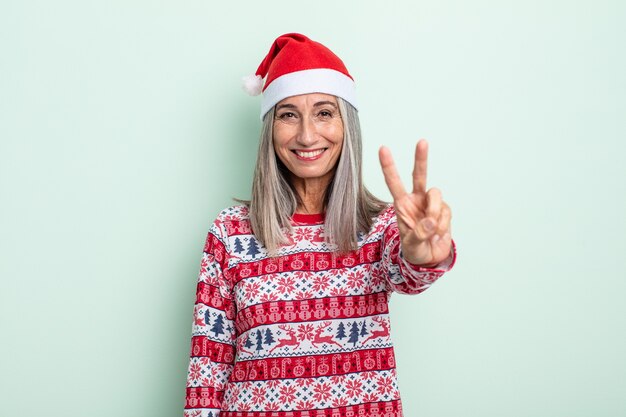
[
  {"x": 230, "y": 220},
  {"x": 381, "y": 222},
  {"x": 386, "y": 216},
  {"x": 237, "y": 212},
  {"x": 387, "y": 212}
]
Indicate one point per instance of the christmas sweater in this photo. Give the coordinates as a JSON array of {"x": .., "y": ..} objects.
[{"x": 305, "y": 333}]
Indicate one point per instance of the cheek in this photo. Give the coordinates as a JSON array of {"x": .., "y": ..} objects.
[
  {"x": 280, "y": 137},
  {"x": 338, "y": 135}
]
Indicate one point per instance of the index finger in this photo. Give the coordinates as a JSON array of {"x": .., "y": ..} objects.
[
  {"x": 391, "y": 173},
  {"x": 420, "y": 167}
]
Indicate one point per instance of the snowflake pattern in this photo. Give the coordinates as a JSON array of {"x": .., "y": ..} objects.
[
  {"x": 306, "y": 286},
  {"x": 298, "y": 395}
]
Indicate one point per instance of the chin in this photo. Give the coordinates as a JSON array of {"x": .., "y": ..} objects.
[{"x": 311, "y": 175}]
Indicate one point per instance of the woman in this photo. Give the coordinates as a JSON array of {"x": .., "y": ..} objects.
[{"x": 291, "y": 316}]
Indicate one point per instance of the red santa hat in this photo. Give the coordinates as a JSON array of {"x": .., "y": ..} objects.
[{"x": 297, "y": 65}]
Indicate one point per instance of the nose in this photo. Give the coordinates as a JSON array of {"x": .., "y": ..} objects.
[{"x": 307, "y": 135}]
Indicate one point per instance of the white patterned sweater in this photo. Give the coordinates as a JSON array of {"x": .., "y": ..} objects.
[{"x": 304, "y": 333}]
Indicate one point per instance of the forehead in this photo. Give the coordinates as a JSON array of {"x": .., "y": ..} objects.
[{"x": 308, "y": 100}]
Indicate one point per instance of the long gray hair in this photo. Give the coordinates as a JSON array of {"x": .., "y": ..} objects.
[{"x": 349, "y": 206}]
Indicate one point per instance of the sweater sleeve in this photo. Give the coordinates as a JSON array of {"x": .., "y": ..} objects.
[
  {"x": 402, "y": 276},
  {"x": 213, "y": 331}
]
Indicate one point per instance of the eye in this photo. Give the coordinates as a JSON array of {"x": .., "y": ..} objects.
[
  {"x": 325, "y": 114},
  {"x": 287, "y": 115}
]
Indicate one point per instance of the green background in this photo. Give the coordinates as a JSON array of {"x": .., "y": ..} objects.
[{"x": 124, "y": 131}]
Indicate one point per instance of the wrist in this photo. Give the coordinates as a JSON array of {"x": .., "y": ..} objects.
[{"x": 417, "y": 263}]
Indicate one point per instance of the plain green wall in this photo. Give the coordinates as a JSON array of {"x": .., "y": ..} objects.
[{"x": 123, "y": 132}]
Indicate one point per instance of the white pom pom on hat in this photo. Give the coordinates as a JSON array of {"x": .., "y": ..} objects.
[
  {"x": 252, "y": 84},
  {"x": 297, "y": 65}
]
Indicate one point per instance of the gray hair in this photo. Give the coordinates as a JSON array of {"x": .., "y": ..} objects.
[{"x": 349, "y": 206}]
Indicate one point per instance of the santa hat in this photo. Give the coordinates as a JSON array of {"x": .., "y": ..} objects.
[{"x": 297, "y": 65}]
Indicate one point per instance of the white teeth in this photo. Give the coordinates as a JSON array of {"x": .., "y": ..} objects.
[{"x": 309, "y": 154}]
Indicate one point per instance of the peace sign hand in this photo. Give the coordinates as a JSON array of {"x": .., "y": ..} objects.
[{"x": 423, "y": 217}]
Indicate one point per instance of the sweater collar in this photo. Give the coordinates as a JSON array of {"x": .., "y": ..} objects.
[{"x": 310, "y": 219}]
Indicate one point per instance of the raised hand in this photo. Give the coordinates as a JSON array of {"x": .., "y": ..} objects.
[{"x": 423, "y": 217}]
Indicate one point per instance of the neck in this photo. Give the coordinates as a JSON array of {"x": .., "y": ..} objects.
[{"x": 311, "y": 192}]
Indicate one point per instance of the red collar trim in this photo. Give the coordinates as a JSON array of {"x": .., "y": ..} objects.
[{"x": 301, "y": 218}]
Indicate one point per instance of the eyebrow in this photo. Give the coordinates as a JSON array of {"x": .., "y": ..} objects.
[
  {"x": 288, "y": 106},
  {"x": 323, "y": 103},
  {"x": 318, "y": 104}
]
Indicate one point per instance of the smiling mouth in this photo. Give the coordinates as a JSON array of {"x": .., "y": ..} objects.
[{"x": 309, "y": 155}]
